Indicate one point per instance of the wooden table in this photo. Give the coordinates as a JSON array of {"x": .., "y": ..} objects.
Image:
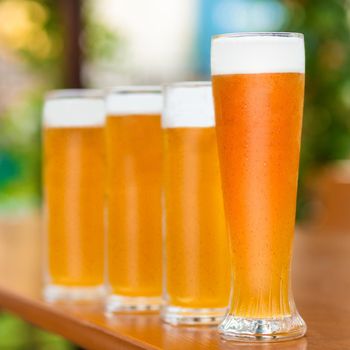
[{"x": 321, "y": 288}]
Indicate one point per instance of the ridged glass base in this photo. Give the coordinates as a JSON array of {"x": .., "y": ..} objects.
[
  {"x": 175, "y": 315},
  {"x": 117, "y": 303},
  {"x": 262, "y": 330},
  {"x": 54, "y": 293}
]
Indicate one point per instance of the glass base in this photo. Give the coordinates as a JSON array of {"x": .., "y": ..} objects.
[
  {"x": 175, "y": 315},
  {"x": 118, "y": 303},
  {"x": 262, "y": 329},
  {"x": 55, "y": 293}
]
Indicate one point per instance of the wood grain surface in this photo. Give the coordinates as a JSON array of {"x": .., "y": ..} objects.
[{"x": 321, "y": 284}]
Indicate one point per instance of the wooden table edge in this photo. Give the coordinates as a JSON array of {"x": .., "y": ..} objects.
[{"x": 79, "y": 331}]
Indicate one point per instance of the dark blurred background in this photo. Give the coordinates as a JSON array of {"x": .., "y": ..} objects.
[{"x": 47, "y": 44}]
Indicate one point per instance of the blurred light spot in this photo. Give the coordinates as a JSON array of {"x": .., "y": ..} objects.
[
  {"x": 20, "y": 24},
  {"x": 25, "y": 30},
  {"x": 41, "y": 44},
  {"x": 37, "y": 12}
]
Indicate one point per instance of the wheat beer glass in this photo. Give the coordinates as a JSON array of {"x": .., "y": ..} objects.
[
  {"x": 73, "y": 140},
  {"x": 197, "y": 266},
  {"x": 258, "y": 86},
  {"x": 134, "y": 162}
]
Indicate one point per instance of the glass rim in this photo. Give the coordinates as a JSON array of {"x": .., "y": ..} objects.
[
  {"x": 188, "y": 84},
  {"x": 259, "y": 34},
  {"x": 134, "y": 89},
  {"x": 74, "y": 93}
]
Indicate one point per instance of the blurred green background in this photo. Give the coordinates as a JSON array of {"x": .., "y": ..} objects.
[
  {"x": 46, "y": 44},
  {"x": 17, "y": 334},
  {"x": 136, "y": 42}
]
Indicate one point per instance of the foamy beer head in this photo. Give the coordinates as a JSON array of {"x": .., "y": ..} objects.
[
  {"x": 74, "y": 108},
  {"x": 134, "y": 100},
  {"x": 188, "y": 104},
  {"x": 254, "y": 53}
]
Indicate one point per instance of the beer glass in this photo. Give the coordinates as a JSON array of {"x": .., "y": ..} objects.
[
  {"x": 258, "y": 86},
  {"x": 134, "y": 161},
  {"x": 197, "y": 266},
  {"x": 73, "y": 122}
]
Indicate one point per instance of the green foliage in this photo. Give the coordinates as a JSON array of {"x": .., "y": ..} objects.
[
  {"x": 49, "y": 341},
  {"x": 34, "y": 33},
  {"x": 20, "y": 131},
  {"x": 326, "y": 129},
  {"x": 98, "y": 40},
  {"x": 16, "y": 334},
  {"x": 20, "y": 154}
]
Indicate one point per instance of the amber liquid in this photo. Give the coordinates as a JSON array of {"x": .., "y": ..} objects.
[
  {"x": 197, "y": 253},
  {"x": 134, "y": 205},
  {"x": 259, "y": 119},
  {"x": 74, "y": 193}
]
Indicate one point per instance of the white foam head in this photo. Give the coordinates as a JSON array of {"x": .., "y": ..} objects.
[
  {"x": 187, "y": 105},
  {"x": 74, "y": 108},
  {"x": 252, "y": 53},
  {"x": 135, "y": 100}
]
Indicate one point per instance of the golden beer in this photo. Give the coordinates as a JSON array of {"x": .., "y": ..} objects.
[
  {"x": 134, "y": 167},
  {"x": 258, "y": 84},
  {"x": 197, "y": 269},
  {"x": 73, "y": 138}
]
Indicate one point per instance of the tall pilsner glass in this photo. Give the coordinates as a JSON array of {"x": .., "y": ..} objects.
[
  {"x": 73, "y": 137},
  {"x": 258, "y": 86}
]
